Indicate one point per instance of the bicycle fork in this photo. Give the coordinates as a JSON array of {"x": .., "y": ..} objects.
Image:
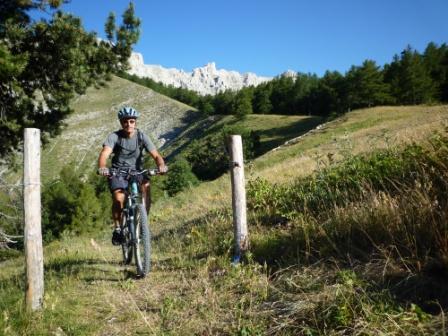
[{"x": 131, "y": 224}]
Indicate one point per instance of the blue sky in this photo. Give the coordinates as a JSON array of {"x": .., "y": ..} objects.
[{"x": 270, "y": 37}]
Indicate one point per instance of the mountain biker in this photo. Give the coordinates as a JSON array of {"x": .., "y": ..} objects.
[{"x": 127, "y": 144}]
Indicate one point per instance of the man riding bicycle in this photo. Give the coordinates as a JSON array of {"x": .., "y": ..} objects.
[{"x": 128, "y": 145}]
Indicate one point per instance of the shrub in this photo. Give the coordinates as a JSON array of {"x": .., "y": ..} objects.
[
  {"x": 180, "y": 176},
  {"x": 87, "y": 215},
  {"x": 209, "y": 157},
  {"x": 73, "y": 205}
]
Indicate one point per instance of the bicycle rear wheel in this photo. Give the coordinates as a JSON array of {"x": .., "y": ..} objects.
[
  {"x": 126, "y": 246},
  {"x": 143, "y": 241}
]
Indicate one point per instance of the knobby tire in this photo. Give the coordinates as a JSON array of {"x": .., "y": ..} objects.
[
  {"x": 143, "y": 241},
  {"x": 126, "y": 246}
]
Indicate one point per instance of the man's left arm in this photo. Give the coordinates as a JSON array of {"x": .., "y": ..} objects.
[{"x": 160, "y": 162}]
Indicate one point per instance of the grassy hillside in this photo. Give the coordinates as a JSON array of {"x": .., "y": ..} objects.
[
  {"x": 273, "y": 130},
  {"x": 356, "y": 132},
  {"x": 203, "y": 143},
  {"x": 312, "y": 269},
  {"x": 95, "y": 117}
]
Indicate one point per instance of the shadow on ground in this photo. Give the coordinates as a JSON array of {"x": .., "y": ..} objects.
[
  {"x": 279, "y": 135},
  {"x": 90, "y": 269}
]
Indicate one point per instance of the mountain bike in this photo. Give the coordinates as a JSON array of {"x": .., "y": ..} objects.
[{"x": 136, "y": 236}]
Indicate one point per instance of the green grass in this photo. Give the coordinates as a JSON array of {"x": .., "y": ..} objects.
[
  {"x": 356, "y": 132},
  {"x": 88, "y": 292},
  {"x": 273, "y": 130},
  {"x": 312, "y": 284},
  {"x": 70, "y": 268}
]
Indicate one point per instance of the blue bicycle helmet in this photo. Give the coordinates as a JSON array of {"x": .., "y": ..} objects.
[{"x": 127, "y": 112}]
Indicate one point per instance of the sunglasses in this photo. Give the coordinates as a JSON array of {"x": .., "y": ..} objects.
[{"x": 128, "y": 121}]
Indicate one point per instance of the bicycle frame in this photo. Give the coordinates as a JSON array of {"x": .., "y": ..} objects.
[
  {"x": 134, "y": 223},
  {"x": 132, "y": 197}
]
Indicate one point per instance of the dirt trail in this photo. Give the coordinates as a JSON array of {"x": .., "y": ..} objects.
[{"x": 123, "y": 303}]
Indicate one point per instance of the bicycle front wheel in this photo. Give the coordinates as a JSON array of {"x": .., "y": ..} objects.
[
  {"x": 142, "y": 241},
  {"x": 126, "y": 245}
]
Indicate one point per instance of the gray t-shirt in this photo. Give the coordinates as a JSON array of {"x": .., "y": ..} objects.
[{"x": 126, "y": 151}]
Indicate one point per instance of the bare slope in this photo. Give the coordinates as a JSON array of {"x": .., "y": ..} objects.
[{"x": 95, "y": 116}]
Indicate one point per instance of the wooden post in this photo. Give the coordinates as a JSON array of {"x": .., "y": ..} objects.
[
  {"x": 32, "y": 215},
  {"x": 238, "y": 196}
]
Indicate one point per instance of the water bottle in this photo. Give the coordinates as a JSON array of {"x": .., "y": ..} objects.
[{"x": 134, "y": 188}]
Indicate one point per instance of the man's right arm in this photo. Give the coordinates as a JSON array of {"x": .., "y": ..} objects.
[{"x": 102, "y": 159}]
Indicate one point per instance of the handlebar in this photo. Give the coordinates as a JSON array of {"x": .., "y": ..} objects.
[{"x": 133, "y": 172}]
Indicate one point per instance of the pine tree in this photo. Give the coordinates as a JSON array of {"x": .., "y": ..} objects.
[
  {"x": 262, "y": 102},
  {"x": 366, "y": 86},
  {"x": 127, "y": 35},
  {"x": 436, "y": 62},
  {"x": 206, "y": 107},
  {"x": 109, "y": 27},
  {"x": 300, "y": 102},
  {"x": 223, "y": 102},
  {"x": 328, "y": 96},
  {"x": 243, "y": 104},
  {"x": 45, "y": 63},
  {"x": 409, "y": 79},
  {"x": 282, "y": 95}
]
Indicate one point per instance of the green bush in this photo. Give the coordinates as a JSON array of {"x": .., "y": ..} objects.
[
  {"x": 180, "y": 177},
  {"x": 87, "y": 215},
  {"x": 73, "y": 205},
  {"x": 209, "y": 156}
]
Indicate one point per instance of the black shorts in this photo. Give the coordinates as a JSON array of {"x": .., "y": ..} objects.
[{"x": 120, "y": 182}]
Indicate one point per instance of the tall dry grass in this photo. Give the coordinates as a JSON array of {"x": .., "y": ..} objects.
[{"x": 359, "y": 248}]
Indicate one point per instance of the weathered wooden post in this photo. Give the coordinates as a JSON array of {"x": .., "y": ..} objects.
[
  {"x": 235, "y": 146},
  {"x": 32, "y": 215}
]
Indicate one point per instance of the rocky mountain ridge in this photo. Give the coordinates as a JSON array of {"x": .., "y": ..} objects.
[{"x": 204, "y": 80}]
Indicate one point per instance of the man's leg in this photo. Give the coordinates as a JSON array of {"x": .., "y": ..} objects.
[
  {"x": 118, "y": 197},
  {"x": 146, "y": 195}
]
